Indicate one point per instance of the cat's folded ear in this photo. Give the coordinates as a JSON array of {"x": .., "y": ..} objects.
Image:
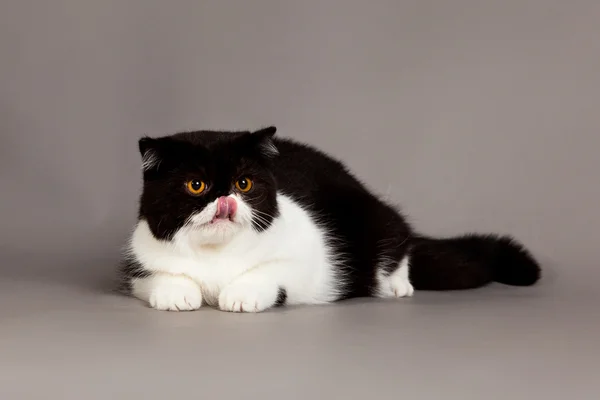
[
  {"x": 264, "y": 139},
  {"x": 149, "y": 151}
]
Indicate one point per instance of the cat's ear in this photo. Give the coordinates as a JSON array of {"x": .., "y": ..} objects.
[
  {"x": 266, "y": 132},
  {"x": 149, "y": 150},
  {"x": 264, "y": 137}
]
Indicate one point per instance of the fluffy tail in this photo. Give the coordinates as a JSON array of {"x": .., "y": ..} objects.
[{"x": 471, "y": 261}]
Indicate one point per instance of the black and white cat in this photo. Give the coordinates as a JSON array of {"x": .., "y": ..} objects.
[{"x": 245, "y": 221}]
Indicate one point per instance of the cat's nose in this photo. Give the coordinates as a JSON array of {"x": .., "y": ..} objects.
[{"x": 226, "y": 207}]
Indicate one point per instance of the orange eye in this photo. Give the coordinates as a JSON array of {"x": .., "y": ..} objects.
[
  {"x": 244, "y": 185},
  {"x": 195, "y": 186}
]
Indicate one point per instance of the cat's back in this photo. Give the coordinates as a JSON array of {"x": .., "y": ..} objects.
[{"x": 304, "y": 169}]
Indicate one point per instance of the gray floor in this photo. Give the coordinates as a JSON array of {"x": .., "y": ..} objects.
[{"x": 68, "y": 338}]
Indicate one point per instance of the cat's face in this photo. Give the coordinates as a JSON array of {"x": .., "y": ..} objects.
[{"x": 208, "y": 186}]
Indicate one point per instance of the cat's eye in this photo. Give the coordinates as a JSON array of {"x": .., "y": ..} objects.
[
  {"x": 195, "y": 186},
  {"x": 244, "y": 184}
]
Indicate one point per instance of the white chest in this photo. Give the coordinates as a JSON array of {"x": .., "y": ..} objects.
[{"x": 294, "y": 248}]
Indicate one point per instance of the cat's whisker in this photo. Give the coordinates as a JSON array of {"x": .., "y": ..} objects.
[
  {"x": 261, "y": 198},
  {"x": 263, "y": 220},
  {"x": 263, "y": 213}
]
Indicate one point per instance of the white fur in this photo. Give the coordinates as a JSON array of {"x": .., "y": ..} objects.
[
  {"x": 200, "y": 232},
  {"x": 149, "y": 160},
  {"x": 169, "y": 292},
  {"x": 233, "y": 266},
  {"x": 396, "y": 284},
  {"x": 269, "y": 149}
]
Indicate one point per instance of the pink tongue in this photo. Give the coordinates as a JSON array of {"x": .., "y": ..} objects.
[{"x": 226, "y": 207}]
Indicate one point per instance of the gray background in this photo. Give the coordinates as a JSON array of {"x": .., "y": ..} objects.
[{"x": 474, "y": 115}]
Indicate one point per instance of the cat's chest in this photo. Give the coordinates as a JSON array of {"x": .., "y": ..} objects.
[
  {"x": 218, "y": 267},
  {"x": 213, "y": 268},
  {"x": 214, "y": 272}
]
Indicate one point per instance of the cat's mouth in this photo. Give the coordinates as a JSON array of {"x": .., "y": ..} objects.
[{"x": 226, "y": 209}]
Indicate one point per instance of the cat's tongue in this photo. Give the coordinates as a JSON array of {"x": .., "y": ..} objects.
[{"x": 226, "y": 207}]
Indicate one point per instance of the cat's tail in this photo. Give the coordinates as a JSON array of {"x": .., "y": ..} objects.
[{"x": 470, "y": 261}]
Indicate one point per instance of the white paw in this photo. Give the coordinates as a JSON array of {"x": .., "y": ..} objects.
[
  {"x": 401, "y": 286},
  {"x": 397, "y": 284},
  {"x": 175, "y": 294},
  {"x": 247, "y": 297}
]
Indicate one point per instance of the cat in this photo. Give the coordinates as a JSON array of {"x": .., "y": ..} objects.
[{"x": 245, "y": 221}]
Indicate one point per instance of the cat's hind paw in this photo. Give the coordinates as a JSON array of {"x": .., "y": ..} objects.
[{"x": 401, "y": 287}]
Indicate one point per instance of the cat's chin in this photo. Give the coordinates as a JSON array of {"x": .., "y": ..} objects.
[{"x": 213, "y": 233}]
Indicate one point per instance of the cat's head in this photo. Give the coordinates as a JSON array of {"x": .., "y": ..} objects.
[{"x": 208, "y": 186}]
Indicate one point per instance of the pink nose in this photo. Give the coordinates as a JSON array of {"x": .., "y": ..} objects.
[{"x": 226, "y": 207}]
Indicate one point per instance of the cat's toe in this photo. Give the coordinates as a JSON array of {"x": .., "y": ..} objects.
[
  {"x": 176, "y": 295},
  {"x": 246, "y": 298}
]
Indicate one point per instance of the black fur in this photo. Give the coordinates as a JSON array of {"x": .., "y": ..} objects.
[
  {"x": 210, "y": 157},
  {"x": 281, "y": 297},
  {"x": 129, "y": 268},
  {"x": 470, "y": 261},
  {"x": 366, "y": 232}
]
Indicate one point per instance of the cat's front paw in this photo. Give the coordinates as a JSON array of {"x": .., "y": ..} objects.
[
  {"x": 248, "y": 297},
  {"x": 175, "y": 293}
]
